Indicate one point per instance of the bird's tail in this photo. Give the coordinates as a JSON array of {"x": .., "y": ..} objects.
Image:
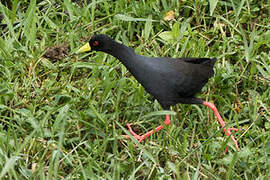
[{"x": 210, "y": 62}]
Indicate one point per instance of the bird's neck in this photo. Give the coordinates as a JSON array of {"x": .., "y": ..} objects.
[{"x": 123, "y": 53}]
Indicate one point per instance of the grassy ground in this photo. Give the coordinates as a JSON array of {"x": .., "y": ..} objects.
[{"x": 62, "y": 116}]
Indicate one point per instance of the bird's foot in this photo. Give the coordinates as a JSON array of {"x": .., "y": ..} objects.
[
  {"x": 146, "y": 135},
  {"x": 136, "y": 136},
  {"x": 228, "y": 132}
]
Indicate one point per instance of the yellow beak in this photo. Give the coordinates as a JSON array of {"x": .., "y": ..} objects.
[{"x": 84, "y": 48}]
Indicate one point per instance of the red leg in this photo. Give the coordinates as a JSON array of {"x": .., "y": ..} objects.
[
  {"x": 146, "y": 135},
  {"x": 222, "y": 123}
]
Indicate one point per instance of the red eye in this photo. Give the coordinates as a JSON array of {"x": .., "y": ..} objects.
[{"x": 95, "y": 43}]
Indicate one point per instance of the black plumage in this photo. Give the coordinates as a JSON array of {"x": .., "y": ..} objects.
[{"x": 169, "y": 80}]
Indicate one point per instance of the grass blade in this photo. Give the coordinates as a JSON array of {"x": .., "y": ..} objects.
[
  {"x": 30, "y": 23},
  {"x": 129, "y": 18},
  {"x": 213, "y": 4}
]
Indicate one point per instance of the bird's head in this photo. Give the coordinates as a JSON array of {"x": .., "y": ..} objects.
[{"x": 99, "y": 42}]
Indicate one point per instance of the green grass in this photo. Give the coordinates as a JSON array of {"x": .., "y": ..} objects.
[{"x": 63, "y": 119}]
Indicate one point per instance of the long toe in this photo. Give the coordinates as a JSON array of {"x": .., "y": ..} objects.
[
  {"x": 149, "y": 133},
  {"x": 228, "y": 132},
  {"x": 136, "y": 136}
]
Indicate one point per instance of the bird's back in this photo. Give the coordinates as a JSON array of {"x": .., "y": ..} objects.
[{"x": 169, "y": 80}]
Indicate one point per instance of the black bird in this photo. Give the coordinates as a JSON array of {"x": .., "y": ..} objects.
[{"x": 169, "y": 80}]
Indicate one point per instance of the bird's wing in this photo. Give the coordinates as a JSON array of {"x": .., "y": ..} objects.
[{"x": 205, "y": 61}]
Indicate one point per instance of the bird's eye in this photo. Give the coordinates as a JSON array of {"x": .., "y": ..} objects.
[{"x": 95, "y": 43}]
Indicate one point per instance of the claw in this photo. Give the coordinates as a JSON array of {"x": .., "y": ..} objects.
[
  {"x": 222, "y": 123},
  {"x": 136, "y": 136},
  {"x": 228, "y": 132},
  {"x": 146, "y": 135}
]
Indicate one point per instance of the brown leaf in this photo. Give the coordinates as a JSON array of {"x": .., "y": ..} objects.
[{"x": 169, "y": 16}]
